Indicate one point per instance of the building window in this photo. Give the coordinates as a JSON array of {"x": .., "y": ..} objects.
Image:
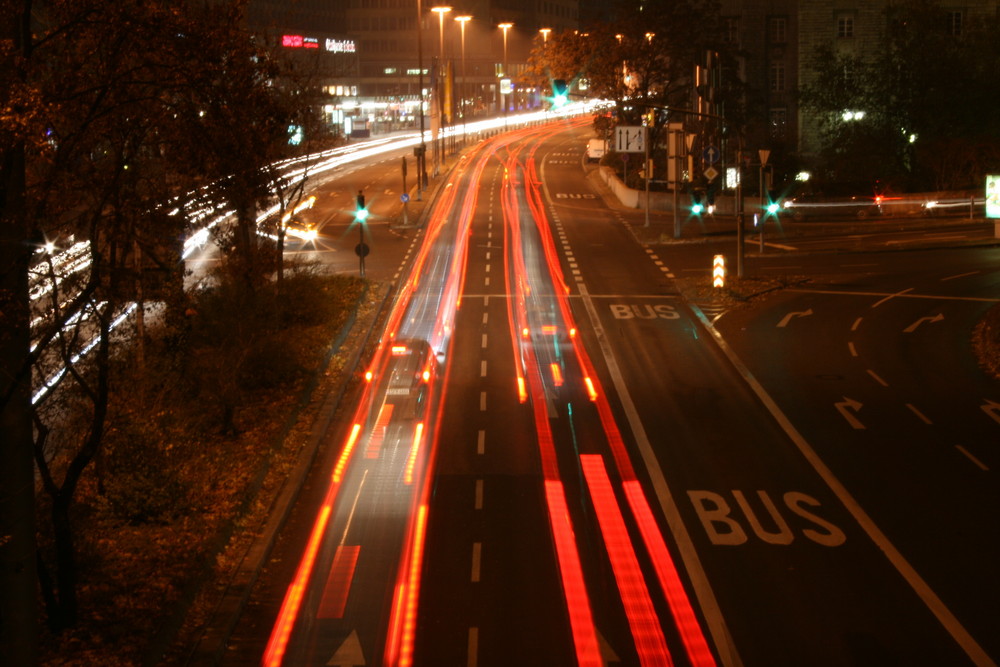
[
  {"x": 779, "y": 122},
  {"x": 776, "y": 29},
  {"x": 845, "y": 26},
  {"x": 777, "y": 77},
  {"x": 954, "y": 23},
  {"x": 733, "y": 29}
]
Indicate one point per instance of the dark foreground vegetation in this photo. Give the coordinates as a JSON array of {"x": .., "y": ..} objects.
[{"x": 198, "y": 435}]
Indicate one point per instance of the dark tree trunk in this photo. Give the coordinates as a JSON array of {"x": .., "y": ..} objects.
[{"x": 18, "y": 578}]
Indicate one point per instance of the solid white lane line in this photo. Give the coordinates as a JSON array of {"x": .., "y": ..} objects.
[
  {"x": 721, "y": 637},
  {"x": 477, "y": 555},
  {"x": 904, "y": 294},
  {"x": 916, "y": 582},
  {"x": 473, "y": 647},
  {"x": 877, "y": 378},
  {"x": 919, "y": 414},
  {"x": 971, "y": 457},
  {"x": 961, "y": 275},
  {"x": 891, "y": 296}
]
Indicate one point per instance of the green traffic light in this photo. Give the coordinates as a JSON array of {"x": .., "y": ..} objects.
[
  {"x": 697, "y": 209},
  {"x": 361, "y": 214}
]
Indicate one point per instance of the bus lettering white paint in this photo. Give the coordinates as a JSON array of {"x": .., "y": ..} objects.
[{"x": 763, "y": 518}]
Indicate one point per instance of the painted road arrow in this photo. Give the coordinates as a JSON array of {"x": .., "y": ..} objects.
[
  {"x": 847, "y": 408},
  {"x": 992, "y": 409},
  {"x": 349, "y": 654},
  {"x": 787, "y": 318},
  {"x": 913, "y": 327}
]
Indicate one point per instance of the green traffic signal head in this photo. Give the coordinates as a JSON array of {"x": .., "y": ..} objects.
[
  {"x": 361, "y": 214},
  {"x": 560, "y": 93}
]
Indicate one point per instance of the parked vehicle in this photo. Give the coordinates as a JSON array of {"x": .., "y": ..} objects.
[{"x": 595, "y": 149}]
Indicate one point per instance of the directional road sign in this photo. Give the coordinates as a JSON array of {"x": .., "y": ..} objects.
[{"x": 630, "y": 139}]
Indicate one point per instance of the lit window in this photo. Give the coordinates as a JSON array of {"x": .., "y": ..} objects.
[
  {"x": 779, "y": 121},
  {"x": 845, "y": 26},
  {"x": 733, "y": 29},
  {"x": 777, "y": 26},
  {"x": 955, "y": 23},
  {"x": 777, "y": 77}
]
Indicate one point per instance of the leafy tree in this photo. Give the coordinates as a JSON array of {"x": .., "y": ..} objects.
[
  {"x": 643, "y": 60},
  {"x": 108, "y": 112},
  {"x": 927, "y": 97}
]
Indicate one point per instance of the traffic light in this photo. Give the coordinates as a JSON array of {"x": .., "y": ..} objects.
[
  {"x": 696, "y": 206},
  {"x": 560, "y": 93},
  {"x": 360, "y": 212}
]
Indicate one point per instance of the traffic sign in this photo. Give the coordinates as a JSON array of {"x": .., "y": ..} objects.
[
  {"x": 404, "y": 197},
  {"x": 711, "y": 173},
  {"x": 711, "y": 154},
  {"x": 630, "y": 139},
  {"x": 362, "y": 250}
]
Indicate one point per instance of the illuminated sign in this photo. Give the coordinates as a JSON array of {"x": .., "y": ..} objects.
[
  {"x": 340, "y": 46},
  {"x": 993, "y": 196},
  {"x": 331, "y": 45}
]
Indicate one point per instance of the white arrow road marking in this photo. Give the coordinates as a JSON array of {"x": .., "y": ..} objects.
[
  {"x": 992, "y": 410},
  {"x": 349, "y": 654},
  {"x": 847, "y": 408},
  {"x": 913, "y": 327},
  {"x": 787, "y": 318}
]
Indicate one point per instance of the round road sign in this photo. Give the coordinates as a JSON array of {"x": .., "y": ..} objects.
[{"x": 362, "y": 250}]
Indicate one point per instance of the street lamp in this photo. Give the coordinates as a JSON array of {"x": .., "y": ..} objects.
[
  {"x": 422, "y": 157},
  {"x": 440, "y": 11},
  {"x": 545, "y": 50},
  {"x": 505, "y": 27},
  {"x": 462, "y": 20}
]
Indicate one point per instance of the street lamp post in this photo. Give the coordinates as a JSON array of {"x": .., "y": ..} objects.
[
  {"x": 545, "y": 53},
  {"x": 462, "y": 20},
  {"x": 505, "y": 27},
  {"x": 440, "y": 11},
  {"x": 422, "y": 158}
]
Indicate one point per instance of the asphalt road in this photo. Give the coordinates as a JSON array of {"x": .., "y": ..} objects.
[{"x": 818, "y": 466}]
